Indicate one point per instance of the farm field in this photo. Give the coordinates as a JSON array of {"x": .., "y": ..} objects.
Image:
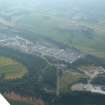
[{"x": 11, "y": 69}]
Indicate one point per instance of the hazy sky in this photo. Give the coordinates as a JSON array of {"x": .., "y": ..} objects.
[
  {"x": 52, "y": 2},
  {"x": 83, "y": 7}
]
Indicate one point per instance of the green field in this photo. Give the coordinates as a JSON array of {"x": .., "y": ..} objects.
[
  {"x": 18, "y": 103},
  {"x": 11, "y": 69}
]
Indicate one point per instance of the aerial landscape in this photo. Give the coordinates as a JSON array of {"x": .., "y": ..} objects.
[{"x": 52, "y": 52}]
